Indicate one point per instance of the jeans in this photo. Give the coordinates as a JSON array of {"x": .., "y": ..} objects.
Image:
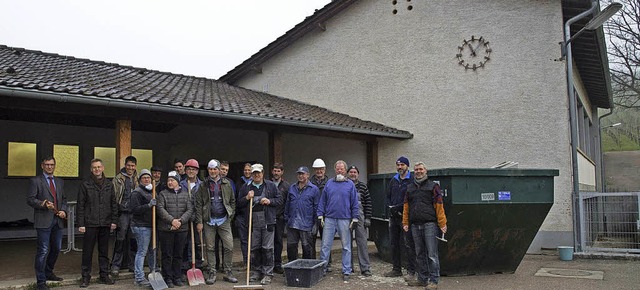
[
  {"x": 293, "y": 237},
  {"x": 341, "y": 226},
  {"x": 91, "y": 236},
  {"x": 401, "y": 242},
  {"x": 143, "y": 238},
  {"x": 428, "y": 264},
  {"x": 49, "y": 245}
]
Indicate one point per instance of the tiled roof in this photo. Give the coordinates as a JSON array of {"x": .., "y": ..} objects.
[{"x": 48, "y": 74}]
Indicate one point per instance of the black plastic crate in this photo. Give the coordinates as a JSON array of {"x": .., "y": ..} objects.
[{"x": 303, "y": 272}]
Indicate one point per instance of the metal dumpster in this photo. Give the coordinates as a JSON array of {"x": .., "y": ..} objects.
[{"x": 493, "y": 216}]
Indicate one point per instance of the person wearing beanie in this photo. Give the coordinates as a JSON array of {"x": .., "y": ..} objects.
[
  {"x": 400, "y": 241},
  {"x": 97, "y": 215},
  {"x": 142, "y": 203},
  {"x": 215, "y": 208},
  {"x": 174, "y": 212},
  {"x": 338, "y": 212},
  {"x": 364, "y": 221}
]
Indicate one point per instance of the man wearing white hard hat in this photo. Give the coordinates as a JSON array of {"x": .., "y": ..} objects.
[
  {"x": 319, "y": 179},
  {"x": 264, "y": 197}
]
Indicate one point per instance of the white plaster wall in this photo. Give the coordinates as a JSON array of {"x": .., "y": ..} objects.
[
  {"x": 401, "y": 70},
  {"x": 302, "y": 150}
]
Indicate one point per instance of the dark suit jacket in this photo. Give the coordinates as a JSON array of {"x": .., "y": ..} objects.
[{"x": 38, "y": 192}]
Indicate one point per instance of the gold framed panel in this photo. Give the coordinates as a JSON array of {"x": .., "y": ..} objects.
[
  {"x": 144, "y": 157},
  {"x": 67, "y": 160},
  {"x": 21, "y": 159},
  {"x": 108, "y": 156}
]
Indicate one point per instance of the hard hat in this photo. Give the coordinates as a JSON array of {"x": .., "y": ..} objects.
[
  {"x": 192, "y": 163},
  {"x": 318, "y": 163}
]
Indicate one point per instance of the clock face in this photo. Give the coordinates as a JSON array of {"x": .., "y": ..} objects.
[{"x": 474, "y": 53}]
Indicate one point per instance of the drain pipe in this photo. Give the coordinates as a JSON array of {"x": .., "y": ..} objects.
[{"x": 577, "y": 241}]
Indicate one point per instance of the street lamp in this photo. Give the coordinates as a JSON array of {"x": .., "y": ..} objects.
[
  {"x": 603, "y": 176},
  {"x": 595, "y": 23}
]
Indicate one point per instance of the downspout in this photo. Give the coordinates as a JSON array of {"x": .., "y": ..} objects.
[
  {"x": 577, "y": 241},
  {"x": 602, "y": 175}
]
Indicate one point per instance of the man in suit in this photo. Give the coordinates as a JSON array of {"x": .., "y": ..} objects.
[{"x": 46, "y": 196}]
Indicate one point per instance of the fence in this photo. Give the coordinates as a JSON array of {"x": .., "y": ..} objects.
[{"x": 610, "y": 222}]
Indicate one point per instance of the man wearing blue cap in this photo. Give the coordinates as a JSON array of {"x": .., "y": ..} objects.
[
  {"x": 401, "y": 241},
  {"x": 300, "y": 215}
]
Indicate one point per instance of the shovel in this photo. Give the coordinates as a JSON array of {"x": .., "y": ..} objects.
[
  {"x": 194, "y": 275},
  {"x": 249, "y": 254},
  {"x": 155, "y": 278}
]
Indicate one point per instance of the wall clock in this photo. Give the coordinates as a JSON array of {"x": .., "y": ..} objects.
[{"x": 474, "y": 53}]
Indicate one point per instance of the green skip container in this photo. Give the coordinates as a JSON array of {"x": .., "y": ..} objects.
[{"x": 493, "y": 216}]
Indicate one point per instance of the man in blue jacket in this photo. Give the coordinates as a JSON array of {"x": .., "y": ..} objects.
[
  {"x": 401, "y": 241},
  {"x": 299, "y": 214},
  {"x": 338, "y": 211}
]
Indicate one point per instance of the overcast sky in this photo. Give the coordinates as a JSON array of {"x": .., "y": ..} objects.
[{"x": 204, "y": 38}]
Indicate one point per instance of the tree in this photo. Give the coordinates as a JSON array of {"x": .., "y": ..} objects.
[{"x": 623, "y": 35}]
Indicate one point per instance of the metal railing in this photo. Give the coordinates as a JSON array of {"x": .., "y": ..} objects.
[{"x": 610, "y": 222}]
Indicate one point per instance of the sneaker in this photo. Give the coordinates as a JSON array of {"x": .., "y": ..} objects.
[
  {"x": 42, "y": 286},
  {"x": 254, "y": 278},
  {"x": 266, "y": 280},
  {"x": 329, "y": 268},
  {"x": 432, "y": 286},
  {"x": 211, "y": 279},
  {"x": 115, "y": 272},
  {"x": 85, "y": 282},
  {"x": 345, "y": 277},
  {"x": 142, "y": 283},
  {"x": 366, "y": 273},
  {"x": 229, "y": 277},
  {"x": 178, "y": 282},
  {"x": 278, "y": 270},
  {"x": 170, "y": 284},
  {"x": 53, "y": 277},
  {"x": 393, "y": 273},
  {"x": 410, "y": 277},
  {"x": 416, "y": 282},
  {"x": 106, "y": 280}
]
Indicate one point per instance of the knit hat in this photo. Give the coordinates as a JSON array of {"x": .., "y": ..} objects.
[
  {"x": 213, "y": 164},
  {"x": 353, "y": 167},
  {"x": 174, "y": 175},
  {"x": 403, "y": 159},
  {"x": 144, "y": 172}
]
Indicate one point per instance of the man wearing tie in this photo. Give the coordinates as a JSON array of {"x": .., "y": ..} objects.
[{"x": 46, "y": 196}]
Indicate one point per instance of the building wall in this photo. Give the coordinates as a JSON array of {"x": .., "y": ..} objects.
[{"x": 401, "y": 70}]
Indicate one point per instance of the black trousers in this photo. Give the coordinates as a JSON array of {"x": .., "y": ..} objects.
[
  {"x": 172, "y": 245},
  {"x": 91, "y": 236},
  {"x": 277, "y": 242}
]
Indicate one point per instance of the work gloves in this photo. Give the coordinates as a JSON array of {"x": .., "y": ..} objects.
[
  {"x": 354, "y": 223},
  {"x": 367, "y": 223},
  {"x": 321, "y": 220},
  {"x": 152, "y": 202}
]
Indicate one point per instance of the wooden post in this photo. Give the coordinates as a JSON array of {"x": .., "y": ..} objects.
[
  {"x": 372, "y": 156},
  {"x": 123, "y": 141},
  {"x": 275, "y": 148}
]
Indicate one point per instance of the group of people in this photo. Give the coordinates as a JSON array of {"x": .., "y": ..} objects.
[{"x": 186, "y": 206}]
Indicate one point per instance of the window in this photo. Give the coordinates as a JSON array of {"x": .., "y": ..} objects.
[
  {"x": 108, "y": 156},
  {"x": 67, "y": 157},
  {"x": 21, "y": 159},
  {"x": 145, "y": 158}
]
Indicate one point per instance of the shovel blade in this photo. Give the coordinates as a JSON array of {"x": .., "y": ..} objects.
[
  {"x": 157, "y": 282},
  {"x": 195, "y": 277}
]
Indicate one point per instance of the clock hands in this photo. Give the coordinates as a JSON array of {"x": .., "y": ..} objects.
[{"x": 473, "y": 51}]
